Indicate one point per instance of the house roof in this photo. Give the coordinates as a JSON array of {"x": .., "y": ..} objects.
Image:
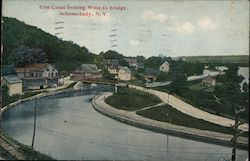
[
  {"x": 12, "y": 79},
  {"x": 90, "y": 68},
  {"x": 208, "y": 78},
  {"x": 165, "y": 62},
  {"x": 126, "y": 69},
  {"x": 149, "y": 76},
  {"x": 34, "y": 67}
]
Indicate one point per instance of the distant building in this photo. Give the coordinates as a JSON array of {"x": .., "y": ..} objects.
[
  {"x": 208, "y": 81},
  {"x": 14, "y": 84},
  {"x": 112, "y": 65},
  {"x": 150, "y": 78},
  {"x": 38, "y": 76},
  {"x": 132, "y": 62},
  {"x": 165, "y": 67},
  {"x": 86, "y": 72},
  {"x": 124, "y": 74}
]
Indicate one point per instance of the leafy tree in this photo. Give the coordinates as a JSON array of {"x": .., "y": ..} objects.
[
  {"x": 123, "y": 62},
  {"x": 111, "y": 55},
  {"x": 24, "y": 55}
]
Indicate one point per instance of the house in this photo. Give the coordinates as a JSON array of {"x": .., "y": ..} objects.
[
  {"x": 149, "y": 78},
  {"x": 38, "y": 76},
  {"x": 131, "y": 62},
  {"x": 165, "y": 67},
  {"x": 124, "y": 74},
  {"x": 112, "y": 65},
  {"x": 86, "y": 72},
  {"x": 208, "y": 81},
  {"x": 14, "y": 84}
]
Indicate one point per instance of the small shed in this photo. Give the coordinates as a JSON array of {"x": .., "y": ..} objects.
[
  {"x": 14, "y": 84},
  {"x": 149, "y": 78}
]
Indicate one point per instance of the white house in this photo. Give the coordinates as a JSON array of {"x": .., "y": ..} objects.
[
  {"x": 38, "y": 76},
  {"x": 165, "y": 67},
  {"x": 124, "y": 74}
]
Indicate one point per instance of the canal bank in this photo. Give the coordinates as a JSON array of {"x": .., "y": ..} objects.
[{"x": 133, "y": 119}]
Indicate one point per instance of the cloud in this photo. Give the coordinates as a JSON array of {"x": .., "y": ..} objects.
[
  {"x": 134, "y": 42},
  {"x": 150, "y": 15},
  {"x": 206, "y": 23},
  {"x": 184, "y": 27}
]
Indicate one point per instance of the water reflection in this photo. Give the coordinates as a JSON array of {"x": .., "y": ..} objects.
[{"x": 69, "y": 128}]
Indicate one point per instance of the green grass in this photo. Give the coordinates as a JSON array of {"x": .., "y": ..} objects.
[
  {"x": 168, "y": 114},
  {"x": 131, "y": 99},
  {"x": 6, "y": 99},
  {"x": 199, "y": 86},
  {"x": 206, "y": 101}
]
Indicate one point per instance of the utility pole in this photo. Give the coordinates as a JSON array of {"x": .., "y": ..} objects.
[
  {"x": 34, "y": 127},
  {"x": 236, "y": 132}
]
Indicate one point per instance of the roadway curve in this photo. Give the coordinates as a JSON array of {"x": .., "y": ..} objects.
[{"x": 189, "y": 109}]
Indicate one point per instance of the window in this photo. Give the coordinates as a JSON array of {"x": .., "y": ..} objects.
[
  {"x": 49, "y": 74},
  {"x": 52, "y": 74},
  {"x": 56, "y": 74}
]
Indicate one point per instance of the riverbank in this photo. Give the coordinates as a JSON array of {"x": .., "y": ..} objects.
[
  {"x": 132, "y": 118},
  {"x": 11, "y": 149}
]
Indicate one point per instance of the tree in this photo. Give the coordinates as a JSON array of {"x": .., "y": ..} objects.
[
  {"x": 123, "y": 62},
  {"x": 179, "y": 82},
  {"x": 23, "y": 56}
]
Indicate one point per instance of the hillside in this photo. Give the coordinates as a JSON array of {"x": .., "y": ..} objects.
[
  {"x": 243, "y": 59},
  {"x": 17, "y": 33}
]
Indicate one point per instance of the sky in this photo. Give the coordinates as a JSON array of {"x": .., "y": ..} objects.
[{"x": 142, "y": 27}]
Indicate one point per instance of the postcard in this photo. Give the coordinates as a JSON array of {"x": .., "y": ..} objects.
[{"x": 125, "y": 80}]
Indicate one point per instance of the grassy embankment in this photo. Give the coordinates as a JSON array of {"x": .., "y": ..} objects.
[
  {"x": 131, "y": 99},
  {"x": 27, "y": 151},
  {"x": 205, "y": 99},
  {"x": 6, "y": 99}
]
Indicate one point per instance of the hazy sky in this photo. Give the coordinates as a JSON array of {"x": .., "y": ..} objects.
[{"x": 171, "y": 28}]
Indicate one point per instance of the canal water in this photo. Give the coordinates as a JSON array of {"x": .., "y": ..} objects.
[{"x": 69, "y": 128}]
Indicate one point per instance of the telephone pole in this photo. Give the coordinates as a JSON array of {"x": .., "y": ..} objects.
[
  {"x": 34, "y": 127},
  {"x": 236, "y": 132}
]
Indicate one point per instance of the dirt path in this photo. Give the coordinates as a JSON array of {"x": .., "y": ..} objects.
[{"x": 191, "y": 110}]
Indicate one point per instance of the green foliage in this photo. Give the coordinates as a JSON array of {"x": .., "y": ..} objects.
[
  {"x": 163, "y": 76},
  {"x": 207, "y": 102},
  {"x": 17, "y": 33},
  {"x": 168, "y": 114},
  {"x": 6, "y": 99},
  {"x": 123, "y": 62},
  {"x": 111, "y": 55},
  {"x": 23, "y": 56},
  {"x": 131, "y": 99},
  {"x": 179, "y": 82},
  {"x": 218, "y": 59},
  {"x": 153, "y": 62}
]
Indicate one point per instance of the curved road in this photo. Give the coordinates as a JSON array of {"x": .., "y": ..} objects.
[{"x": 191, "y": 110}]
